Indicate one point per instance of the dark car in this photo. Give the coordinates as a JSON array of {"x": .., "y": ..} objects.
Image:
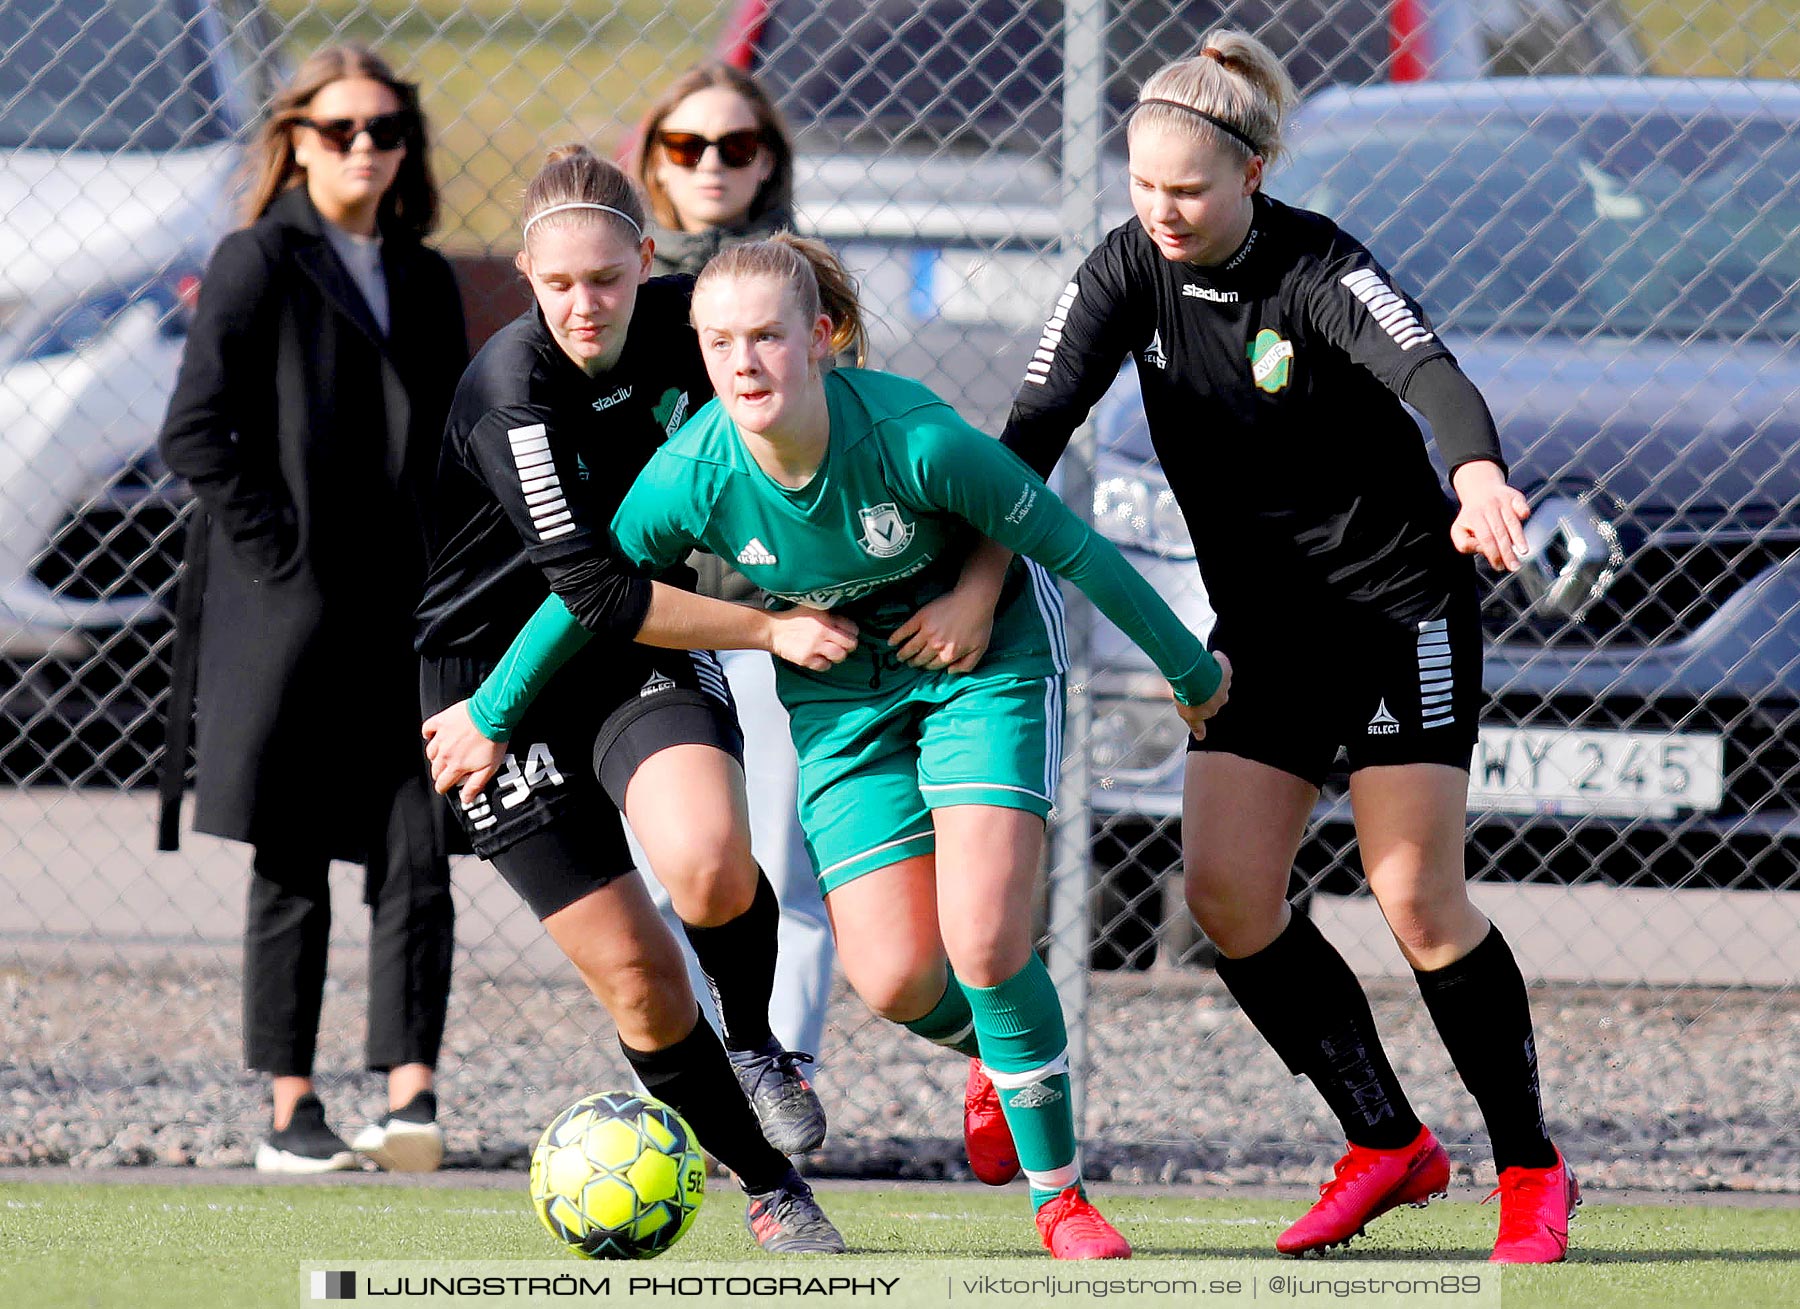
[{"x": 1616, "y": 263}]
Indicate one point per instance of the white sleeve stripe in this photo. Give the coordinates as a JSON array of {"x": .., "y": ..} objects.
[
  {"x": 1390, "y": 311},
  {"x": 539, "y": 483}
]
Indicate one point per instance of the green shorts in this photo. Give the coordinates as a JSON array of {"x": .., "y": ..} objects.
[{"x": 873, "y": 767}]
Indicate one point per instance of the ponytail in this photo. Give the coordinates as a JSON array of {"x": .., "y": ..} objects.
[{"x": 1235, "y": 92}]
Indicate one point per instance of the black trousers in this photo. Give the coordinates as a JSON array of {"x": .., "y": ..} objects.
[{"x": 411, "y": 937}]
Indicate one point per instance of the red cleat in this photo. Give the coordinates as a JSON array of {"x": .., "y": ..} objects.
[
  {"x": 1365, "y": 1184},
  {"x": 1536, "y": 1205},
  {"x": 1073, "y": 1229},
  {"x": 992, "y": 1156}
]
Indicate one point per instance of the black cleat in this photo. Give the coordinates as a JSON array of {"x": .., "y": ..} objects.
[
  {"x": 792, "y": 1118},
  {"x": 788, "y": 1220}
]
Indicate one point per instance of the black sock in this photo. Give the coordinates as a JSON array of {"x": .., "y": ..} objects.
[
  {"x": 741, "y": 953},
  {"x": 1308, "y": 1005},
  {"x": 694, "y": 1077},
  {"x": 1482, "y": 1013}
]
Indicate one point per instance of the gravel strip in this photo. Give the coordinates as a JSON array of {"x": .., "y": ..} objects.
[{"x": 1658, "y": 1090}]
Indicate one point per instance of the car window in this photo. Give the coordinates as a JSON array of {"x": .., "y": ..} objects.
[
  {"x": 1633, "y": 226},
  {"x": 105, "y": 75}
]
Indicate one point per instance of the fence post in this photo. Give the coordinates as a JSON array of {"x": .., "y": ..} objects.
[{"x": 1084, "y": 75}]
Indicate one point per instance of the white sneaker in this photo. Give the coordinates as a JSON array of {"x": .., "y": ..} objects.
[{"x": 408, "y": 1140}]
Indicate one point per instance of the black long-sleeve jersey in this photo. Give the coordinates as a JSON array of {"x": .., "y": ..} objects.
[
  {"x": 1272, "y": 387},
  {"x": 537, "y": 456}
]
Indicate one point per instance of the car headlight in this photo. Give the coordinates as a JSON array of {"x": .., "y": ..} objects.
[
  {"x": 1135, "y": 740},
  {"x": 1134, "y": 508},
  {"x": 171, "y": 293}
]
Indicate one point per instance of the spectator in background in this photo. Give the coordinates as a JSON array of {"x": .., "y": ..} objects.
[
  {"x": 307, "y": 417},
  {"x": 717, "y": 168}
]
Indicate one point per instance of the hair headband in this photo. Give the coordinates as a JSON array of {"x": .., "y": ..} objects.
[
  {"x": 1235, "y": 133},
  {"x": 583, "y": 204}
]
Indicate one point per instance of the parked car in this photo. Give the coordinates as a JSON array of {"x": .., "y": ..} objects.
[
  {"x": 1616, "y": 264},
  {"x": 121, "y": 126}
]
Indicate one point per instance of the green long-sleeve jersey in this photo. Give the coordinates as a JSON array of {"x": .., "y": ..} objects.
[{"x": 881, "y": 528}]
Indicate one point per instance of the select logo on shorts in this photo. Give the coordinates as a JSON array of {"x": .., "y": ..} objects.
[
  {"x": 885, "y": 532},
  {"x": 654, "y": 683},
  {"x": 1383, "y": 723},
  {"x": 1271, "y": 361},
  {"x": 333, "y": 1286}
]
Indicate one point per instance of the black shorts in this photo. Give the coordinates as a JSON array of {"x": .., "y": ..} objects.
[
  {"x": 1385, "y": 692},
  {"x": 573, "y": 755}
]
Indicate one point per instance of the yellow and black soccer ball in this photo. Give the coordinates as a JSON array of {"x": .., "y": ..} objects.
[{"x": 617, "y": 1176}]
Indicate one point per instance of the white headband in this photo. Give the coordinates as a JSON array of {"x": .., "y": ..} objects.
[{"x": 583, "y": 204}]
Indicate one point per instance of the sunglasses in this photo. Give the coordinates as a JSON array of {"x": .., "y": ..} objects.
[
  {"x": 386, "y": 131},
  {"x": 736, "y": 149}
]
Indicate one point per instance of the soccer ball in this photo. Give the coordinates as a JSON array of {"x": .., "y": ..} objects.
[{"x": 617, "y": 1176}]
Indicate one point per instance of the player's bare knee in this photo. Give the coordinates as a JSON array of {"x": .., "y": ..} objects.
[
  {"x": 897, "y": 993},
  {"x": 709, "y": 887}
]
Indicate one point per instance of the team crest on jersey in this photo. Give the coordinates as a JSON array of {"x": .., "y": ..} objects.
[
  {"x": 885, "y": 533},
  {"x": 672, "y": 410},
  {"x": 1271, "y": 361}
]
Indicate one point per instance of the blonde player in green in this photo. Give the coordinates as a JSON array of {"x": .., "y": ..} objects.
[{"x": 923, "y": 791}]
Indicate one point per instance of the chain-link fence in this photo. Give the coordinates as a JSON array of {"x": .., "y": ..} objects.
[{"x": 1614, "y": 262}]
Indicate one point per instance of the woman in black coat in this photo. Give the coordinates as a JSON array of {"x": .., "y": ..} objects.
[{"x": 307, "y": 417}]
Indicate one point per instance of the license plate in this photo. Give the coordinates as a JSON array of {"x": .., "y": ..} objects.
[{"x": 1616, "y": 774}]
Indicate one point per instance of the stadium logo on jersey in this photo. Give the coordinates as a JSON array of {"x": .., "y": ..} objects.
[
  {"x": 672, "y": 410},
  {"x": 756, "y": 553},
  {"x": 1198, "y": 292},
  {"x": 885, "y": 533},
  {"x": 606, "y": 402},
  {"x": 1153, "y": 353},
  {"x": 1271, "y": 361},
  {"x": 1383, "y": 723},
  {"x": 654, "y": 683}
]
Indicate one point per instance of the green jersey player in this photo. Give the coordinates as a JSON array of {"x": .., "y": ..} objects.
[{"x": 923, "y": 791}]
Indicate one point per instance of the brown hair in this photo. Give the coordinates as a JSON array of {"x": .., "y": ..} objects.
[
  {"x": 775, "y": 195},
  {"x": 808, "y": 271},
  {"x": 1235, "y": 79},
  {"x": 575, "y": 175},
  {"x": 410, "y": 205}
]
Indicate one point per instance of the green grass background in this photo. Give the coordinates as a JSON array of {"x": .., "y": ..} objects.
[
  {"x": 505, "y": 80},
  {"x": 147, "y": 1247}
]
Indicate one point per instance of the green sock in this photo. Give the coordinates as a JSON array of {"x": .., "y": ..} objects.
[
  {"x": 1025, "y": 1049},
  {"x": 949, "y": 1024}
]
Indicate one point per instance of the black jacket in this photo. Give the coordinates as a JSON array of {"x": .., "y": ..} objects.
[{"x": 310, "y": 441}]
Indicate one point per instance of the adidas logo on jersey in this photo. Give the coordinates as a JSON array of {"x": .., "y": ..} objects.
[
  {"x": 1383, "y": 723},
  {"x": 1034, "y": 1096},
  {"x": 756, "y": 553},
  {"x": 1153, "y": 353},
  {"x": 656, "y": 682}
]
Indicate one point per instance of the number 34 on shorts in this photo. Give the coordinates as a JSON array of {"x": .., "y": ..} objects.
[{"x": 513, "y": 785}]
